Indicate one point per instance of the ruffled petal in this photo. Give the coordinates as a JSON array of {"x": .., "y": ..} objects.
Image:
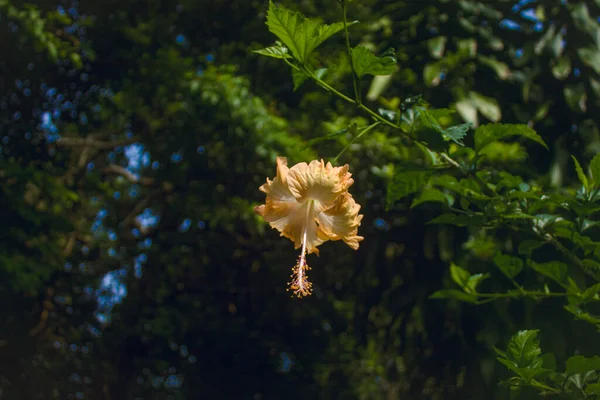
[
  {"x": 278, "y": 187},
  {"x": 319, "y": 182},
  {"x": 286, "y": 214},
  {"x": 280, "y": 202},
  {"x": 341, "y": 221}
]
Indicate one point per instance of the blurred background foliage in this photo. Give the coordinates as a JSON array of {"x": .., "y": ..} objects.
[{"x": 135, "y": 135}]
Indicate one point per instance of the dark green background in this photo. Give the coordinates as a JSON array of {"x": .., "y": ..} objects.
[{"x": 209, "y": 317}]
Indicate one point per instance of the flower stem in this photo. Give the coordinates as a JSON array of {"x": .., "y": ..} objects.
[
  {"x": 355, "y": 81},
  {"x": 368, "y": 128}
]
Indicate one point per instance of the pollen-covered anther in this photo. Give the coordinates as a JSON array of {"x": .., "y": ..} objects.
[{"x": 299, "y": 285}]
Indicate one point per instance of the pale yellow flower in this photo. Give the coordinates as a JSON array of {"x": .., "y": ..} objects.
[{"x": 310, "y": 204}]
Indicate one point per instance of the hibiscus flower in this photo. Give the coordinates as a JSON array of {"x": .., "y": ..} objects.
[{"x": 310, "y": 204}]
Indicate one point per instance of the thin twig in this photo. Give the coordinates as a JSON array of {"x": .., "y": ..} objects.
[
  {"x": 355, "y": 80},
  {"x": 98, "y": 144},
  {"x": 130, "y": 176}
]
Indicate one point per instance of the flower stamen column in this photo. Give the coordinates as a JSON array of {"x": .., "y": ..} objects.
[{"x": 299, "y": 285}]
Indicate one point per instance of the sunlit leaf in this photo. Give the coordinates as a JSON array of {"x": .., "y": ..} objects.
[
  {"x": 378, "y": 86},
  {"x": 301, "y": 35},
  {"x": 432, "y": 73},
  {"x": 436, "y": 46},
  {"x": 500, "y": 152},
  {"x": 487, "y": 106},
  {"x": 523, "y": 348},
  {"x": 459, "y": 275},
  {"x": 274, "y": 51}
]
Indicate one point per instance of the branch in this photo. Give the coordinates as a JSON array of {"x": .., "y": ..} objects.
[
  {"x": 130, "y": 176},
  {"x": 139, "y": 208},
  {"x": 98, "y": 144}
]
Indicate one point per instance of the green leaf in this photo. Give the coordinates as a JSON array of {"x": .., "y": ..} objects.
[
  {"x": 432, "y": 195},
  {"x": 431, "y": 73},
  {"x": 581, "y": 175},
  {"x": 592, "y": 388},
  {"x": 468, "y": 188},
  {"x": 582, "y": 315},
  {"x": 301, "y": 35},
  {"x": 500, "y": 152},
  {"x": 590, "y": 292},
  {"x": 545, "y": 39},
  {"x": 467, "y": 111},
  {"x": 467, "y": 48},
  {"x": 298, "y": 77},
  {"x": 592, "y": 266},
  {"x": 474, "y": 281},
  {"x": 555, "y": 270},
  {"x": 274, "y": 51},
  {"x": 595, "y": 169},
  {"x": 523, "y": 348},
  {"x": 436, "y": 46},
  {"x": 454, "y": 295},
  {"x": 526, "y": 373},
  {"x": 591, "y": 57},
  {"x": 459, "y": 275},
  {"x": 454, "y": 133},
  {"x": 378, "y": 85},
  {"x": 526, "y": 247},
  {"x": 458, "y": 220},
  {"x": 582, "y": 18},
  {"x": 442, "y": 115},
  {"x": 509, "y": 265},
  {"x": 487, "y": 106},
  {"x": 501, "y": 69},
  {"x": 490, "y": 133},
  {"x": 576, "y": 97},
  {"x": 581, "y": 364},
  {"x": 457, "y": 132},
  {"x": 595, "y": 84},
  {"x": 406, "y": 182},
  {"x": 549, "y": 361},
  {"x": 321, "y": 72},
  {"x": 366, "y": 62},
  {"x": 562, "y": 68},
  {"x": 76, "y": 60}
]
